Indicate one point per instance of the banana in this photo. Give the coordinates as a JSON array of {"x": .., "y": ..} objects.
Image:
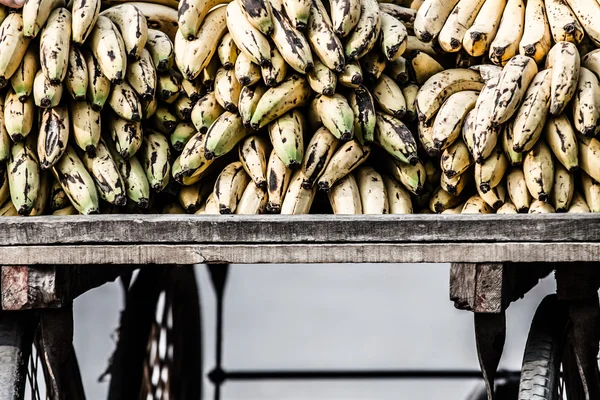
[
  {"x": 456, "y": 184},
  {"x": 137, "y": 187},
  {"x": 149, "y": 107},
  {"x": 531, "y": 116},
  {"x": 108, "y": 48},
  {"x": 278, "y": 179},
  {"x": 494, "y": 197},
  {"x": 193, "y": 55},
  {"x": 476, "y": 205},
  {"x": 352, "y": 75},
  {"x": 182, "y": 134},
  {"x": 441, "y": 200},
  {"x": 319, "y": 152},
  {"x": 289, "y": 94},
  {"x": 394, "y": 36},
  {"x": 183, "y": 107},
  {"x": 23, "y": 177},
  {"x": 13, "y": 46},
  {"x": 336, "y": 115},
  {"x": 36, "y": 13},
  {"x": 481, "y": 131},
  {"x": 155, "y": 155},
  {"x": 249, "y": 98},
  {"x": 161, "y": 49},
  {"x": 563, "y": 188},
  {"x": 290, "y": 42},
  {"x": 298, "y": 12},
  {"x": 425, "y": 135},
  {"x": 487, "y": 71},
  {"x": 253, "y": 200},
  {"x": 414, "y": 44},
  {"x": 591, "y": 191},
  {"x": 460, "y": 19},
  {"x": 192, "y": 160},
  {"x": 373, "y": 194},
  {"x": 193, "y": 89},
  {"x": 398, "y": 198},
  {"x": 410, "y": 96},
  {"x": 586, "y": 107},
  {"x": 564, "y": 25},
  {"x": 258, "y": 13},
  {"x": 163, "y": 120},
  {"x": 324, "y": 42},
  {"x": 393, "y": 136},
  {"x": 98, "y": 87},
  {"x": 400, "y": 10},
  {"x": 298, "y": 199},
  {"x": 77, "y": 78},
  {"x": 388, "y": 96},
  {"x": 223, "y": 135},
  {"x": 286, "y": 135},
  {"x": 105, "y": 173},
  {"x": 159, "y": 16},
  {"x": 8, "y": 210},
  {"x": 507, "y": 208},
  {"x": 541, "y": 207},
  {"x": 168, "y": 87},
  {"x": 560, "y": 136},
  {"x": 449, "y": 120},
  {"x": 424, "y": 66},
  {"x": 22, "y": 79},
  {"x": 4, "y": 137},
  {"x": 85, "y": 15},
  {"x": 480, "y": 35},
  {"x": 18, "y": 117},
  {"x": 126, "y": 135},
  {"x": 516, "y": 187},
  {"x": 588, "y": 14},
  {"x": 344, "y": 16},
  {"x": 191, "y": 197},
  {"x": 536, "y": 40},
  {"x": 76, "y": 182},
  {"x": 133, "y": 27},
  {"x": 85, "y": 126},
  {"x": 246, "y": 72},
  {"x": 321, "y": 79},
  {"x": 512, "y": 86},
  {"x": 442, "y": 85},
  {"x": 363, "y": 107},
  {"x": 363, "y": 37},
  {"x": 41, "y": 201},
  {"x": 206, "y": 111},
  {"x": 230, "y": 186},
  {"x": 565, "y": 62},
  {"x": 247, "y": 38},
  {"x": 431, "y": 17},
  {"x": 45, "y": 93},
  {"x": 209, "y": 73},
  {"x": 211, "y": 206},
  {"x": 227, "y": 51},
  {"x": 589, "y": 156},
  {"x": 349, "y": 156},
  {"x": 253, "y": 152},
  {"x": 412, "y": 177},
  {"x": 514, "y": 158},
  {"x": 54, "y": 136},
  {"x": 125, "y": 103},
  {"x": 141, "y": 76},
  {"x": 506, "y": 43},
  {"x": 489, "y": 174},
  {"x": 456, "y": 159},
  {"x": 464, "y": 60},
  {"x": 313, "y": 117},
  {"x": 538, "y": 168},
  {"x": 193, "y": 15},
  {"x": 344, "y": 196},
  {"x": 578, "y": 204},
  {"x": 227, "y": 90}
]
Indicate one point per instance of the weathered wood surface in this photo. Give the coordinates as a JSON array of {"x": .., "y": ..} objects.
[
  {"x": 301, "y": 228},
  {"x": 16, "y": 336},
  {"x": 300, "y": 253}
]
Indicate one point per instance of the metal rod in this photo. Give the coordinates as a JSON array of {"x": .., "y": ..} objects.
[{"x": 373, "y": 374}]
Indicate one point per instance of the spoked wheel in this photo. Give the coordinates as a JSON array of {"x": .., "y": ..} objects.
[{"x": 549, "y": 370}]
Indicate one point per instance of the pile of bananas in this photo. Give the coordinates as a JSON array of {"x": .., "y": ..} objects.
[{"x": 297, "y": 106}]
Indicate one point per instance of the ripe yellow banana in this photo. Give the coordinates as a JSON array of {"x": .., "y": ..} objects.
[
  {"x": 388, "y": 96},
  {"x": 126, "y": 135},
  {"x": 76, "y": 182},
  {"x": 494, "y": 197},
  {"x": 193, "y": 14},
  {"x": 348, "y": 157},
  {"x": 462, "y": 17},
  {"x": 565, "y": 62},
  {"x": 344, "y": 16},
  {"x": 319, "y": 152},
  {"x": 141, "y": 75},
  {"x": 286, "y": 135},
  {"x": 253, "y": 153},
  {"x": 508, "y": 144},
  {"x": 249, "y": 98},
  {"x": 363, "y": 107},
  {"x": 507, "y": 208},
  {"x": 278, "y": 179},
  {"x": 161, "y": 50},
  {"x": 480, "y": 35},
  {"x": 246, "y": 72},
  {"x": 541, "y": 207},
  {"x": 36, "y": 13},
  {"x": 137, "y": 187},
  {"x": 298, "y": 199},
  {"x": 516, "y": 187},
  {"x": 23, "y": 177},
  {"x": 85, "y": 15},
  {"x": 578, "y": 204},
  {"x": 344, "y": 196},
  {"x": 589, "y": 156},
  {"x": 223, "y": 135},
  {"x": 22, "y": 79},
  {"x": 563, "y": 188},
  {"x": 478, "y": 128},
  {"x": 205, "y": 112},
  {"x": 586, "y": 107},
  {"x": 588, "y": 14},
  {"x": 506, "y": 43},
  {"x": 13, "y": 46},
  {"x": 106, "y": 43},
  {"x": 18, "y": 117},
  {"x": 564, "y": 25},
  {"x": 192, "y": 160},
  {"x": 450, "y": 118},
  {"x": 441, "y": 200},
  {"x": 538, "y": 168},
  {"x": 457, "y": 183},
  {"x": 258, "y": 13},
  {"x": 230, "y": 186},
  {"x": 336, "y": 115},
  {"x": 476, "y": 205},
  {"x": 98, "y": 87},
  {"x": 363, "y": 37},
  {"x": 274, "y": 73},
  {"x": 247, "y": 38},
  {"x": 105, "y": 173},
  {"x": 227, "y": 90},
  {"x": 321, "y": 79},
  {"x": 290, "y": 42},
  {"x": 431, "y": 17},
  {"x": 324, "y": 42},
  {"x": 489, "y": 174},
  {"x": 155, "y": 156},
  {"x": 54, "y": 136},
  {"x": 45, "y": 93},
  {"x": 85, "y": 125},
  {"x": 394, "y": 36},
  {"x": 412, "y": 177},
  {"x": 425, "y": 135},
  {"x": 298, "y": 12},
  {"x": 253, "y": 200},
  {"x": 373, "y": 194},
  {"x": 410, "y": 95},
  {"x": 393, "y": 136},
  {"x": 536, "y": 40},
  {"x": 125, "y": 103},
  {"x": 77, "y": 78},
  {"x": 560, "y": 136},
  {"x": 456, "y": 159},
  {"x": 132, "y": 25},
  {"x": 398, "y": 198},
  {"x": 351, "y": 76}
]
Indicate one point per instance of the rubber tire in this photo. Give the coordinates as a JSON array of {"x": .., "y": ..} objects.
[{"x": 540, "y": 372}]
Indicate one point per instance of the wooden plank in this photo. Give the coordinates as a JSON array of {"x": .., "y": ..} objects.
[
  {"x": 175, "y": 229},
  {"x": 16, "y": 335},
  {"x": 462, "y": 285},
  {"x": 489, "y": 293},
  {"x": 300, "y": 253}
]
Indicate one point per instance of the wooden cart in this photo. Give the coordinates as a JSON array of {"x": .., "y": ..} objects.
[{"x": 496, "y": 259}]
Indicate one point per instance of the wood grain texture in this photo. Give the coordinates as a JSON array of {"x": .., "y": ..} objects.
[
  {"x": 489, "y": 291},
  {"x": 300, "y": 253},
  {"x": 16, "y": 335},
  {"x": 462, "y": 285},
  {"x": 175, "y": 229}
]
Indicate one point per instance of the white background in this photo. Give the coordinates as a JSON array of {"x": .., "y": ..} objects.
[{"x": 348, "y": 316}]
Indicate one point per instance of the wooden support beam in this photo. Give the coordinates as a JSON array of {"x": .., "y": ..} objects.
[{"x": 16, "y": 336}]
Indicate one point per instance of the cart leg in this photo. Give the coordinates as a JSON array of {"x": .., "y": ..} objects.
[
  {"x": 16, "y": 336},
  {"x": 577, "y": 285},
  {"x": 218, "y": 276},
  {"x": 61, "y": 371},
  {"x": 490, "y": 333}
]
